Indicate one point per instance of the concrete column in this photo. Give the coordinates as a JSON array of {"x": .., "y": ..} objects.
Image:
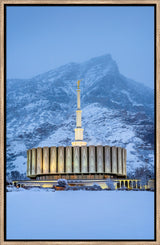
[
  {"x": 68, "y": 159},
  {"x": 114, "y": 160},
  {"x": 136, "y": 185},
  {"x": 120, "y": 170},
  {"x": 92, "y": 167},
  {"x": 45, "y": 160},
  {"x": 84, "y": 168},
  {"x": 39, "y": 161},
  {"x": 124, "y": 153},
  {"x": 127, "y": 184},
  {"x": 107, "y": 159},
  {"x": 34, "y": 161},
  {"x": 99, "y": 159},
  {"x": 60, "y": 159},
  {"x": 119, "y": 183},
  {"x": 53, "y": 159},
  {"x": 28, "y": 164},
  {"x": 76, "y": 159}
]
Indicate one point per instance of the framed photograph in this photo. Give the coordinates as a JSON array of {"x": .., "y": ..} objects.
[{"x": 79, "y": 134}]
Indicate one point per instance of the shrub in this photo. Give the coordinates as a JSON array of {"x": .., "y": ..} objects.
[{"x": 62, "y": 182}]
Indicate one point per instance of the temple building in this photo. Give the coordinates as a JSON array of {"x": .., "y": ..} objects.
[{"x": 77, "y": 161}]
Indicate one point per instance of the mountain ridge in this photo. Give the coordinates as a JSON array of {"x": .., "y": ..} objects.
[{"x": 42, "y": 110}]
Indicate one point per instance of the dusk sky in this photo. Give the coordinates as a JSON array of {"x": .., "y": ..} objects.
[{"x": 42, "y": 38}]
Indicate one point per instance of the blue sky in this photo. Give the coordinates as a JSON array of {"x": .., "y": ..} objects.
[{"x": 42, "y": 38}]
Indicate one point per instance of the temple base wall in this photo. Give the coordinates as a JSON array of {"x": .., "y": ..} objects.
[{"x": 77, "y": 176}]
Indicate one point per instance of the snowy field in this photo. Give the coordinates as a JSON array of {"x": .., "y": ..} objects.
[{"x": 80, "y": 215}]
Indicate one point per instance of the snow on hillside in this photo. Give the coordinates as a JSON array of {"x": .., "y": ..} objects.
[{"x": 115, "y": 111}]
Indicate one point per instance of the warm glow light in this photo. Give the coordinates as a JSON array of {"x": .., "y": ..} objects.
[
  {"x": 79, "y": 143},
  {"x": 47, "y": 186}
]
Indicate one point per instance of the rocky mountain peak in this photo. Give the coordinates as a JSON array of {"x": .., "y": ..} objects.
[{"x": 115, "y": 111}]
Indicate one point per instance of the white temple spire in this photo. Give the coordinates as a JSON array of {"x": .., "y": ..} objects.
[{"x": 78, "y": 130}]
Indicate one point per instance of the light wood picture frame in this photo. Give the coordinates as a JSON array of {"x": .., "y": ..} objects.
[{"x": 2, "y": 117}]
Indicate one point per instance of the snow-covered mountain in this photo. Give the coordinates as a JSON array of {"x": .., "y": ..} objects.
[{"x": 115, "y": 111}]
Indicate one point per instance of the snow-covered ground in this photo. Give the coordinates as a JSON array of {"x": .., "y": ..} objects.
[{"x": 80, "y": 215}]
